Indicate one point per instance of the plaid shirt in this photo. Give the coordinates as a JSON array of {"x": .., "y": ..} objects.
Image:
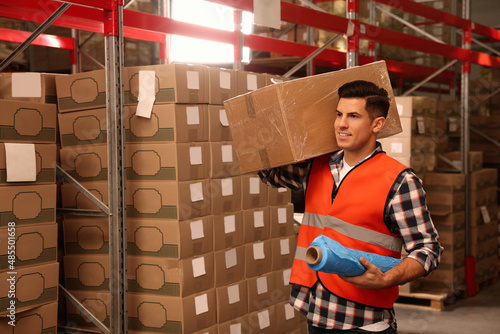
[{"x": 407, "y": 216}]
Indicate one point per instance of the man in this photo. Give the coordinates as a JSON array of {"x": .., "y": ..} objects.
[{"x": 365, "y": 200}]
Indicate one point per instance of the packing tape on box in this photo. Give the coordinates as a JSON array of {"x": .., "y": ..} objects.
[
  {"x": 250, "y": 107},
  {"x": 329, "y": 256},
  {"x": 264, "y": 157}
]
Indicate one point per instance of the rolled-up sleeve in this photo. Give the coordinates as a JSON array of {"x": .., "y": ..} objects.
[{"x": 408, "y": 209}]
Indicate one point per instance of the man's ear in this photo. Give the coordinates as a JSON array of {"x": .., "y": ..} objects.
[{"x": 378, "y": 123}]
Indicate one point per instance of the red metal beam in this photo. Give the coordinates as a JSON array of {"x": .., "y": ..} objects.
[
  {"x": 103, "y": 4},
  {"x": 52, "y": 41}
]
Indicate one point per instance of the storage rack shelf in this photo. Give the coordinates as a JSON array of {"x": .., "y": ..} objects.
[{"x": 109, "y": 18}]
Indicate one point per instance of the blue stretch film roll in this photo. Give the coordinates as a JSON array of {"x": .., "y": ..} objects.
[{"x": 337, "y": 259}]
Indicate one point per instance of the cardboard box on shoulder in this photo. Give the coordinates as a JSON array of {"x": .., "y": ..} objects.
[
  {"x": 28, "y": 122},
  {"x": 29, "y": 86},
  {"x": 34, "y": 285},
  {"x": 154, "y": 313},
  {"x": 180, "y": 123},
  {"x": 293, "y": 121},
  {"x": 169, "y": 238},
  {"x": 45, "y": 159}
]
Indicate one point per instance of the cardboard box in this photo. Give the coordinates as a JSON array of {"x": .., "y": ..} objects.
[
  {"x": 407, "y": 146},
  {"x": 483, "y": 197},
  {"x": 96, "y": 302},
  {"x": 254, "y": 192},
  {"x": 482, "y": 215},
  {"x": 85, "y": 162},
  {"x": 27, "y": 204},
  {"x": 232, "y": 301},
  {"x": 167, "y": 161},
  {"x": 446, "y": 182},
  {"x": 287, "y": 318},
  {"x": 168, "y": 199},
  {"x": 410, "y": 106},
  {"x": 180, "y": 123},
  {"x": 170, "y": 277},
  {"x": 256, "y": 225},
  {"x": 278, "y": 196},
  {"x": 224, "y": 160},
  {"x": 229, "y": 266},
  {"x": 80, "y": 91},
  {"x": 258, "y": 258},
  {"x": 282, "y": 222},
  {"x": 222, "y": 84},
  {"x": 34, "y": 286},
  {"x": 218, "y": 124},
  {"x": 250, "y": 81},
  {"x": 154, "y": 313},
  {"x": 452, "y": 222},
  {"x": 84, "y": 127},
  {"x": 28, "y": 122},
  {"x": 45, "y": 155},
  {"x": 424, "y": 125},
  {"x": 228, "y": 230},
  {"x": 89, "y": 235},
  {"x": 42, "y": 319},
  {"x": 263, "y": 321},
  {"x": 87, "y": 271},
  {"x": 283, "y": 252},
  {"x": 475, "y": 160},
  {"x": 73, "y": 199},
  {"x": 34, "y": 244},
  {"x": 484, "y": 249},
  {"x": 282, "y": 285},
  {"x": 293, "y": 121},
  {"x": 238, "y": 325},
  {"x": 443, "y": 203},
  {"x": 274, "y": 79},
  {"x": 29, "y": 86},
  {"x": 174, "y": 83},
  {"x": 484, "y": 232},
  {"x": 226, "y": 195},
  {"x": 170, "y": 238},
  {"x": 261, "y": 292},
  {"x": 446, "y": 280},
  {"x": 483, "y": 178}
]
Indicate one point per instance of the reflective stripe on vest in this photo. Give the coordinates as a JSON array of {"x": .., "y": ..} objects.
[{"x": 353, "y": 219}]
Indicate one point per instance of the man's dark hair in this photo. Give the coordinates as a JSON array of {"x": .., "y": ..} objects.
[{"x": 377, "y": 99}]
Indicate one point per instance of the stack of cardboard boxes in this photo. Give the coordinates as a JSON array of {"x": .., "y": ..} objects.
[
  {"x": 29, "y": 271},
  {"x": 208, "y": 248}
]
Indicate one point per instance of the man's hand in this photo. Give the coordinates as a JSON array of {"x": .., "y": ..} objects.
[{"x": 373, "y": 278}]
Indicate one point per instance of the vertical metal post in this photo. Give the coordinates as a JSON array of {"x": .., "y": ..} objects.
[
  {"x": 353, "y": 34},
  {"x": 238, "y": 46},
  {"x": 76, "y": 67},
  {"x": 470, "y": 266},
  {"x": 116, "y": 173},
  {"x": 310, "y": 41},
  {"x": 165, "y": 10},
  {"x": 373, "y": 22}
]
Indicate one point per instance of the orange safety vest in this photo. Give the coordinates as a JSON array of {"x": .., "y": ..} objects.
[{"x": 355, "y": 219}]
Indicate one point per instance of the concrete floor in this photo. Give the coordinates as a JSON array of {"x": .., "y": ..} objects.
[{"x": 472, "y": 315}]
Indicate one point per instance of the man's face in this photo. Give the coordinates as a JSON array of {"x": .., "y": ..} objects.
[{"x": 353, "y": 126}]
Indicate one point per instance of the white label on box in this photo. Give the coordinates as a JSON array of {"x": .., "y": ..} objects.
[
  {"x": 251, "y": 82},
  {"x": 193, "y": 80},
  {"x": 227, "y": 153},
  {"x": 147, "y": 95},
  {"x": 223, "y": 117},
  {"x": 485, "y": 214},
  {"x": 20, "y": 160},
  {"x": 396, "y": 147},
  {"x": 235, "y": 328},
  {"x": 400, "y": 109},
  {"x": 193, "y": 115},
  {"x": 26, "y": 85},
  {"x": 233, "y": 293},
  {"x": 231, "y": 259},
  {"x": 284, "y": 246},
  {"x": 261, "y": 285},
  {"x": 195, "y": 156},
  {"x": 286, "y": 276},
  {"x": 254, "y": 185},
  {"x": 453, "y": 124},
  {"x": 201, "y": 304},
  {"x": 196, "y": 191},
  {"x": 258, "y": 251},
  {"x": 225, "y": 79},
  {"x": 197, "y": 229},
  {"x": 281, "y": 215},
  {"x": 282, "y": 190},
  {"x": 199, "y": 267},
  {"x": 264, "y": 320},
  {"x": 258, "y": 219},
  {"x": 420, "y": 125},
  {"x": 289, "y": 312},
  {"x": 227, "y": 187},
  {"x": 229, "y": 224}
]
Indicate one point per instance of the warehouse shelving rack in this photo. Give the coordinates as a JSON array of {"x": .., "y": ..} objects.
[{"x": 109, "y": 17}]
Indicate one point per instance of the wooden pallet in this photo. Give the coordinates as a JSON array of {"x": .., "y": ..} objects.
[{"x": 422, "y": 300}]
